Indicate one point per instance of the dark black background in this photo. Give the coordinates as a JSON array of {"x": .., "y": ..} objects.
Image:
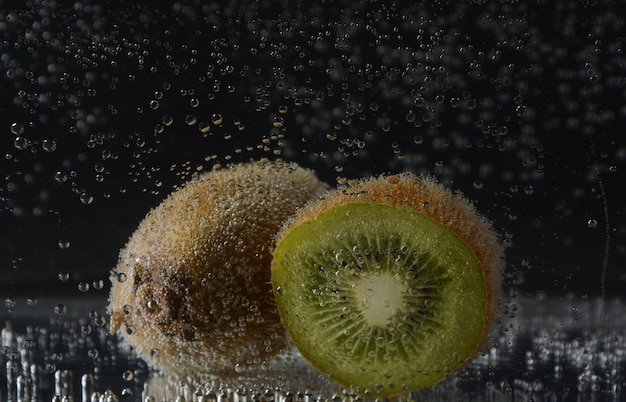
[{"x": 541, "y": 175}]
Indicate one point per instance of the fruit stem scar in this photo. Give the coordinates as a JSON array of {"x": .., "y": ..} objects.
[{"x": 381, "y": 297}]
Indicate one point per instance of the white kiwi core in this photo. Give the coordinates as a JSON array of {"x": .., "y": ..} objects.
[{"x": 380, "y": 297}]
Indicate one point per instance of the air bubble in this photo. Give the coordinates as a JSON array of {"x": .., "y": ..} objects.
[
  {"x": 20, "y": 143},
  {"x": 217, "y": 119},
  {"x": 100, "y": 320},
  {"x": 86, "y": 198},
  {"x": 17, "y": 129},
  {"x": 49, "y": 145},
  {"x": 168, "y": 120},
  {"x": 278, "y": 122},
  {"x": 204, "y": 127},
  {"x": 10, "y": 303},
  {"x": 60, "y": 309},
  {"x": 191, "y": 119}
]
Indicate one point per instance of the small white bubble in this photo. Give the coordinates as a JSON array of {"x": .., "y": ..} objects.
[{"x": 521, "y": 110}]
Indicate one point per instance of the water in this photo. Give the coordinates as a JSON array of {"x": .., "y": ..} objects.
[
  {"x": 543, "y": 350},
  {"x": 107, "y": 108}
]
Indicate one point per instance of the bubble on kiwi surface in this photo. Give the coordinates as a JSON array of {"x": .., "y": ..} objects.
[
  {"x": 196, "y": 272},
  {"x": 388, "y": 285}
]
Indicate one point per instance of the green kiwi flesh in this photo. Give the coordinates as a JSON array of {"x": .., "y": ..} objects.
[{"x": 382, "y": 299}]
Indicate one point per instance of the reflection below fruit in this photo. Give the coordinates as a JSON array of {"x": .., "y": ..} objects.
[{"x": 581, "y": 359}]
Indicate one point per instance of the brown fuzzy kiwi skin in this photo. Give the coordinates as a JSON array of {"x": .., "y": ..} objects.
[
  {"x": 191, "y": 293},
  {"x": 427, "y": 197}
]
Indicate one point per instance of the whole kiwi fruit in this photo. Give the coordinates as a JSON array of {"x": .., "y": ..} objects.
[
  {"x": 389, "y": 284},
  {"x": 191, "y": 292}
]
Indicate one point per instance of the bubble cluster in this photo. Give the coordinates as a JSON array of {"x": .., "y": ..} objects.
[{"x": 106, "y": 110}]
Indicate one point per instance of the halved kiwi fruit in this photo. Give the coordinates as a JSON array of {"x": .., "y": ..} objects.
[
  {"x": 388, "y": 285},
  {"x": 191, "y": 291}
]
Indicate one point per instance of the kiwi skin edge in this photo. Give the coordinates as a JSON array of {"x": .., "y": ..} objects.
[{"x": 425, "y": 197}]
